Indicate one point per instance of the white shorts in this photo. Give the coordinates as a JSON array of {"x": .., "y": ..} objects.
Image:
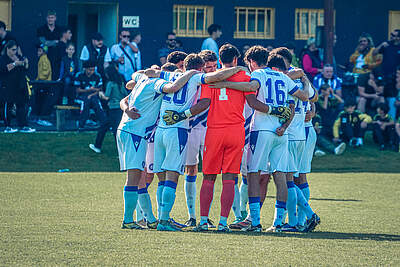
[
  {"x": 267, "y": 147},
  {"x": 311, "y": 140},
  {"x": 195, "y": 145},
  {"x": 170, "y": 145},
  {"x": 243, "y": 164},
  {"x": 150, "y": 157},
  {"x": 131, "y": 150},
  {"x": 296, "y": 149}
]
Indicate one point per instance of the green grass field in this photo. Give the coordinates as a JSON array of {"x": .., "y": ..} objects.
[{"x": 50, "y": 218}]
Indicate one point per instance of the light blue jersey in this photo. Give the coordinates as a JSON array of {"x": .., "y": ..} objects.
[
  {"x": 296, "y": 128},
  {"x": 146, "y": 97}
]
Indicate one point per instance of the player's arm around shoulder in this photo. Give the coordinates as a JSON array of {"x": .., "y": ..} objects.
[
  {"x": 221, "y": 74},
  {"x": 180, "y": 82}
]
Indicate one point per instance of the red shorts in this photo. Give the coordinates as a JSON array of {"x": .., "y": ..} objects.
[{"x": 223, "y": 149}]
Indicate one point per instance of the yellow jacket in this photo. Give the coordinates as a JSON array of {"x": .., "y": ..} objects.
[
  {"x": 44, "y": 68},
  {"x": 354, "y": 119},
  {"x": 369, "y": 59}
]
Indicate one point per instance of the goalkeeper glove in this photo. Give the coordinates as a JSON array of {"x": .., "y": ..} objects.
[
  {"x": 171, "y": 117},
  {"x": 280, "y": 112}
]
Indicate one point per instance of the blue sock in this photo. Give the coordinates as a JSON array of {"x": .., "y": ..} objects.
[
  {"x": 280, "y": 208},
  {"x": 159, "y": 193},
  {"x": 190, "y": 194},
  {"x": 145, "y": 204},
  {"x": 254, "y": 204},
  {"x": 292, "y": 203},
  {"x": 130, "y": 202},
  {"x": 244, "y": 195},
  {"x": 236, "y": 201},
  {"x": 306, "y": 192},
  {"x": 223, "y": 221},
  {"x": 303, "y": 204},
  {"x": 168, "y": 199}
]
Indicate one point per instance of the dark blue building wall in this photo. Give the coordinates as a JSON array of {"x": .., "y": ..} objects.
[{"x": 352, "y": 18}]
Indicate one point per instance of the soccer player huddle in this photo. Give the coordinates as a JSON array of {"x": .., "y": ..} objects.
[{"x": 254, "y": 121}]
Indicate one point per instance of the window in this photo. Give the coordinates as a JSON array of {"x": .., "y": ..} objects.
[
  {"x": 255, "y": 23},
  {"x": 5, "y": 12},
  {"x": 394, "y": 21},
  {"x": 192, "y": 21},
  {"x": 306, "y": 21}
]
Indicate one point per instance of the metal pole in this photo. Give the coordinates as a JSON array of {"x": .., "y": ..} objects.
[{"x": 329, "y": 31}]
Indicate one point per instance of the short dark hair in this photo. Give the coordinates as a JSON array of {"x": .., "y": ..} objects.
[
  {"x": 276, "y": 61},
  {"x": 227, "y": 53},
  {"x": 170, "y": 33},
  {"x": 284, "y": 52},
  {"x": 383, "y": 107},
  {"x": 171, "y": 67},
  {"x": 193, "y": 62},
  {"x": 350, "y": 103},
  {"x": 88, "y": 64},
  {"x": 208, "y": 56},
  {"x": 257, "y": 53},
  {"x": 65, "y": 29},
  {"x": 213, "y": 28},
  {"x": 51, "y": 13},
  {"x": 2, "y": 25},
  {"x": 97, "y": 36},
  {"x": 134, "y": 34},
  {"x": 176, "y": 56}
]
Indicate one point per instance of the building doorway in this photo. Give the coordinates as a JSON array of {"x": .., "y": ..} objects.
[{"x": 84, "y": 19}]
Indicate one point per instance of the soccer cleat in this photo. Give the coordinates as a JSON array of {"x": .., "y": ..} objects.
[
  {"x": 244, "y": 214},
  {"x": 288, "y": 228},
  {"x": 152, "y": 225},
  {"x": 238, "y": 220},
  {"x": 191, "y": 222},
  {"x": 131, "y": 226},
  {"x": 94, "y": 148},
  {"x": 142, "y": 223},
  {"x": 339, "y": 150},
  {"x": 201, "y": 228},
  {"x": 167, "y": 226},
  {"x": 312, "y": 223},
  {"x": 251, "y": 228},
  {"x": 10, "y": 130},
  {"x": 176, "y": 224},
  {"x": 319, "y": 153},
  {"x": 223, "y": 228},
  {"x": 210, "y": 223},
  {"x": 27, "y": 130},
  {"x": 274, "y": 229},
  {"x": 43, "y": 123}
]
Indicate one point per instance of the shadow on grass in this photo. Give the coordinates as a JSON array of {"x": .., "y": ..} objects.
[{"x": 329, "y": 199}]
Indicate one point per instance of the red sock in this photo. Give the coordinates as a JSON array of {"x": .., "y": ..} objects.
[
  {"x": 227, "y": 196},
  {"x": 206, "y": 196}
]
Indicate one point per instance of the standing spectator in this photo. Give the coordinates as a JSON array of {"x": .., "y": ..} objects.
[
  {"x": 115, "y": 92},
  {"x": 177, "y": 58},
  {"x": 125, "y": 54},
  {"x": 13, "y": 87},
  {"x": 363, "y": 59},
  {"x": 311, "y": 60},
  {"x": 97, "y": 52},
  {"x": 295, "y": 60},
  {"x": 215, "y": 32},
  {"x": 328, "y": 77},
  {"x": 170, "y": 47},
  {"x": 240, "y": 59},
  {"x": 390, "y": 63},
  {"x": 136, "y": 39},
  {"x": 66, "y": 36},
  {"x": 370, "y": 91},
  {"x": 88, "y": 83},
  {"x": 384, "y": 132},
  {"x": 5, "y": 36},
  {"x": 44, "y": 66},
  {"x": 49, "y": 35},
  {"x": 69, "y": 68}
]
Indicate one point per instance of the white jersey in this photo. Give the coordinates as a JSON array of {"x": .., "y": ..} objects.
[
  {"x": 181, "y": 100},
  {"x": 295, "y": 130},
  {"x": 248, "y": 115},
  {"x": 200, "y": 120},
  {"x": 274, "y": 90},
  {"x": 308, "y": 123},
  {"x": 146, "y": 97}
]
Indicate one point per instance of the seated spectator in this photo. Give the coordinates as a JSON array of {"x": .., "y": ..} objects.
[
  {"x": 384, "y": 132},
  {"x": 68, "y": 69},
  {"x": 88, "y": 84},
  {"x": 169, "y": 47},
  {"x": 312, "y": 63},
  {"x": 328, "y": 108},
  {"x": 328, "y": 77},
  {"x": 323, "y": 143},
  {"x": 177, "y": 58},
  {"x": 351, "y": 125},
  {"x": 363, "y": 59},
  {"x": 370, "y": 91}
]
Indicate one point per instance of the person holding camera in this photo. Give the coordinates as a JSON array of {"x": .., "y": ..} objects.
[
  {"x": 390, "y": 51},
  {"x": 370, "y": 91},
  {"x": 363, "y": 58},
  {"x": 13, "y": 87}
]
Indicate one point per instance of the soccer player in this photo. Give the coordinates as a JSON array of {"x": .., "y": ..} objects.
[
  {"x": 141, "y": 108},
  {"x": 195, "y": 144},
  {"x": 172, "y": 132},
  {"x": 177, "y": 58}
]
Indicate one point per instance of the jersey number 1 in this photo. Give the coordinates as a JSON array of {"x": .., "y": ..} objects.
[{"x": 222, "y": 94}]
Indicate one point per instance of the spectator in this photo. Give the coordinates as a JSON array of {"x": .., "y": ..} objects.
[
  {"x": 384, "y": 132},
  {"x": 311, "y": 59},
  {"x": 69, "y": 68},
  {"x": 49, "y": 35},
  {"x": 136, "y": 39},
  {"x": 115, "y": 92},
  {"x": 215, "y": 32},
  {"x": 328, "y": 77},
  {"x": 295, "y": 60},
  {"x": 240, "y": 60},
  {"x": 177, "y": 58},
  {"x": 5, "y": 36},
  {"x": 327, "y": 108},
  {"x": 88, "y": 83},
  {"x": 97, "y": 52},
  {"x": 323, "y": 142},
  {"x": 124, "y": 54},
  {"x": 269, "y": 48},
  {"x": 13, "y": 87},
  {"x": 66, "y": 36},
  {"x": 351, "y": 125},
  {"x": 370, "y": 91},
  {"x": 44, "y": 66},
  {"x": 170, "y": 47},
  {"x": 390, "y": 63},
  {"x": 363, "y": 59}
]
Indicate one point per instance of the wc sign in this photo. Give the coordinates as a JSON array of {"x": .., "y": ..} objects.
[{"x": 130, "y": 22}]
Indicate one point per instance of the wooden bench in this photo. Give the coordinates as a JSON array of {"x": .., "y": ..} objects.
[{"x": 61, "y": 114}]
